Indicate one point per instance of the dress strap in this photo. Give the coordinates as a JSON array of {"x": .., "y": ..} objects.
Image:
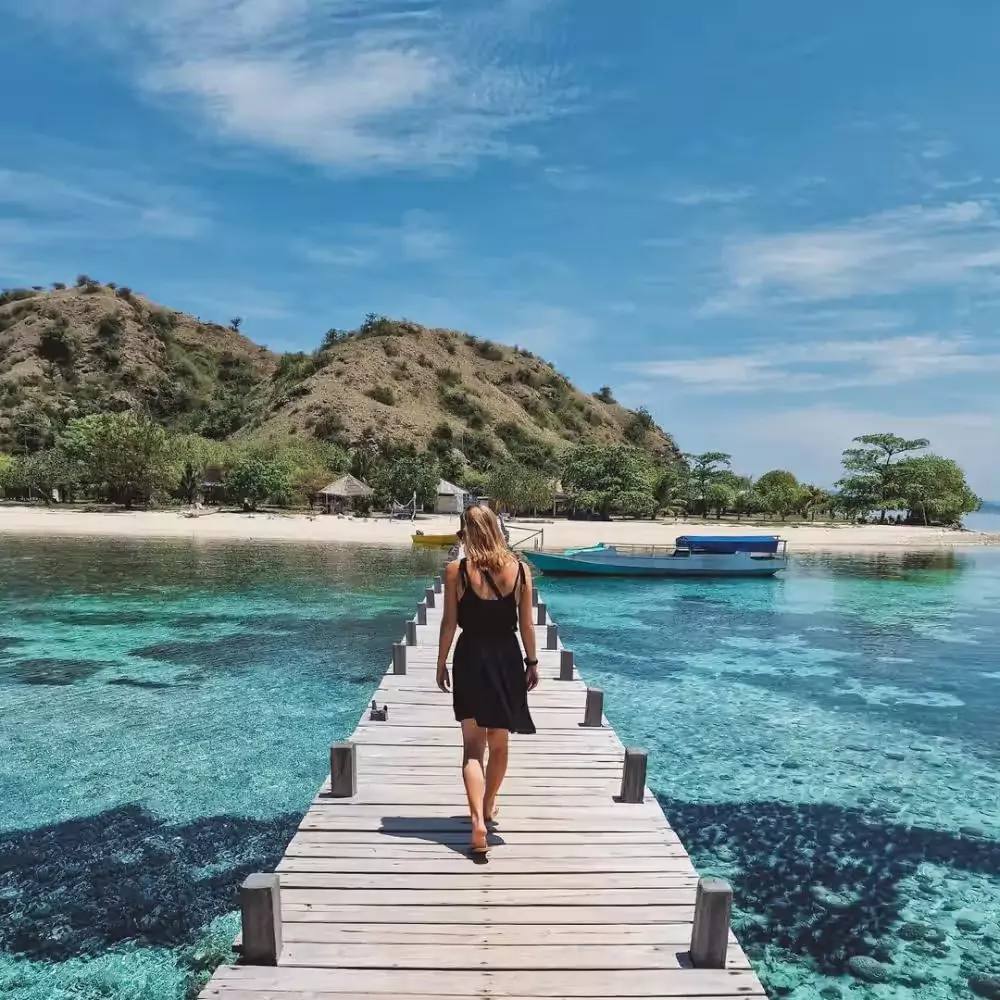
[
  {"x": 463, "y": 575},
  {"x": 520, "y": 582},
  {"x": 489, "y": 581}
]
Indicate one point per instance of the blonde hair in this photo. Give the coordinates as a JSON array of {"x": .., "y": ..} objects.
[{"x": 485, "y": 546}]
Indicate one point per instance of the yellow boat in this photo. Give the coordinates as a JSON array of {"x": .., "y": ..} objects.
[{"x": 435, "y": 541}]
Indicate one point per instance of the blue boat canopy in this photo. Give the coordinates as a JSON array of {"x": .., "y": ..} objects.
[{"x": 726, "y": 544}]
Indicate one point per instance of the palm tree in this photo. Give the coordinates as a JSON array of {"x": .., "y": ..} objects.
[{"x": 814, "y": 498}]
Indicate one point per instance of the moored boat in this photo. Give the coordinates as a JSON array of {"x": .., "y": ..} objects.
[
  {"x": 435, "y": 541},
  {"x": 692, "y": 555}
]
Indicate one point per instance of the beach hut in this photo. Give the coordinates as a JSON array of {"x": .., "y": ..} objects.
[
  {"x": 345, "y": 492},
  {"x": 451, "y": 499}
]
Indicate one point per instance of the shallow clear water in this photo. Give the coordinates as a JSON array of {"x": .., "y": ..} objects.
[{"x": 828, "y": 741}]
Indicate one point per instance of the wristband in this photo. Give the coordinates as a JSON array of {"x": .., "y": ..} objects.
[{"x": 530, "y": 663}]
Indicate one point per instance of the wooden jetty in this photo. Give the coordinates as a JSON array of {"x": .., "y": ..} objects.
[{"x": 587, "y": 892}]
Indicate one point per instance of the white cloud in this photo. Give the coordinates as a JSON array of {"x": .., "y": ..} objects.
[
  {"x": 419, "y": 237},
  {"x": 351, "y": 84},
  {"x": 695, "y": 197},
  {"x": 827, "y": 365},
  {"x": 95, "y": 205},
  {"x": 914, "y": 247}
]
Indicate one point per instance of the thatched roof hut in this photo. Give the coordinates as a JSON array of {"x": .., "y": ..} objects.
[{"x": 343, "y": 491}]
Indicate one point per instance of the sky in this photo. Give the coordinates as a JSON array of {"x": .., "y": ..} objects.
[{"x": 776, "y": 224}]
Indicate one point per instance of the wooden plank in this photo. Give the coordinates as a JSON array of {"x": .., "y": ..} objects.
[
  {"x": 681, "y": 894},
  {"x": 676, "y": 934},
  {"x": 629, "y": 814},
  {"x": 454, "y": 863},
  {"x": 561, "y": 857},
  {"x": 467, "y": 983},
  {"x": 495, "y": 957},
  {"x": 484, "y": 878},
  {"x": 538, "y": 915},
  {"x": 226, "y": 991}
]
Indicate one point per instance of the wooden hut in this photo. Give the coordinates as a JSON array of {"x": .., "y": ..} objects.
[{"x": 346, "y": 492}]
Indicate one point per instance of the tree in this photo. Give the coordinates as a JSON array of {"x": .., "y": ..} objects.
[
  {"x": 399, "y": 478},
  {"x": 611, "y": 479},
  {"x": 39, "y": 474},
  {"x": 604, "y": 394},
  {"x": 518, "y": 487},
  {"x": 192, "y": 455},
  {"x": 235, "y": 323},
  {"x": 671, "y": 488},
  {"x": 814, "y": 498},
  {"x": 122, "y": 452},
  {"x": 639, "y": 425},
  {"x": 705, "y": 468},
  {"x": 780, "y": 492},
  {"x": 719, "y": 496},
  {"x": 253, "y": 480},
  {"x": 869, "y": 483},
  {"x": 364, "y": 452},
  {"x": 934, "y": 489}
]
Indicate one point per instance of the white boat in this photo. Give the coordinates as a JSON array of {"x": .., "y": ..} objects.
[{"x": 692, "y": 555}]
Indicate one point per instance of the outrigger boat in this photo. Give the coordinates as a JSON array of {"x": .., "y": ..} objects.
[
  {"x": 692, "y": 555},
  {"x": 434, "y": 541}
]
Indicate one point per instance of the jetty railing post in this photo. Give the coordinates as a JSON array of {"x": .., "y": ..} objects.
[
  {"x": 542, "y": 616},
  {"x": 429, "y": 597},
  {"x": 260, "y": 912},
  {"x": 566, "y": 665},
  {"x": 399, "y": 658},
  {"x": 534, "y": 596},
  {"x": 634, "y": 776},
  {"x": 552, "y": 637},
  {"x": 343, "y": 770},
  {"x": 438, "y": 584},
  {"x": 422, "y": 613},
  {"x": 594, "y": 710},
  {"x": 713, "y": 909},
  {"x": 411, "y": 633}
]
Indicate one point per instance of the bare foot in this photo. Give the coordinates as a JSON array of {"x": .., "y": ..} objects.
[
  {"x": 479, "y": 841},
  {"x": 491, "y": 812}
]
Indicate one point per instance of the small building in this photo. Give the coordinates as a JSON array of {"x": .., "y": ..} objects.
[
  {"x": 344, "y": 493},
  {"x": 451, "y": 499},
  {"x": 213, "y": 486}
]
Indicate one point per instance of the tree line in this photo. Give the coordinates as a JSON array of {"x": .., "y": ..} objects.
[{"x": 128, "y": 459}]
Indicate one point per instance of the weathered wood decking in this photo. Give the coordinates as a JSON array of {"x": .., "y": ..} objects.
[{"x": 581, "y": 896}]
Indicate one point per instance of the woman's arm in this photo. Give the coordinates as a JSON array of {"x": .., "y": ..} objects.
[
  {"x": 449, "y": 622},
  {"x": 527, "y": 626}
]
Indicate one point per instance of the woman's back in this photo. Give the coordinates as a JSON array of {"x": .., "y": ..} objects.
[{"x": 487, "y": 604}]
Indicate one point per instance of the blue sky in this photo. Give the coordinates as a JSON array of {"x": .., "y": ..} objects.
[{"x": 775, "y": 224}]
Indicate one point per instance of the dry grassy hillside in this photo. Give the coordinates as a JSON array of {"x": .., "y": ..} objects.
[{"x": 68, "y": 352}]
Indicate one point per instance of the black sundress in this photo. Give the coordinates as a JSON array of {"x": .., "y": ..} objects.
[{"x": 489, "y": 682}]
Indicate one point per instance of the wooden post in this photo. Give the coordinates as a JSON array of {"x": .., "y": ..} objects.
[
  {"x": 422, "y": 613},
  {"x": 411, "y": 633},
  {"x": 566, "y": 665},
  {"x": 399, "y": 657},
  {"x": 594, "y": 710},
  {"x": 534, "y": 596},
  {"x": 438, "y": 584},
  {"x": 429, "y": 597},
  {"x": 541, "y": 619},
  {"x": 260, "y": 908},
  {"x": 552, "y": 637},
  {"x": 634, "y": 776},
  {"x": 343, "y": 771},
  {"x": 713, "y": 908}
]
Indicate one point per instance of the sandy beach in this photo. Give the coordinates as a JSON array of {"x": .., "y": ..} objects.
[{"x": 558, "y": 534}]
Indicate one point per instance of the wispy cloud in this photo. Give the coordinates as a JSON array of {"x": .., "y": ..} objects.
[
  {"x": 351, "y": 84},
  {"x": 419, "y": 237},
  {"x": 826, "y": 365},
  {"x": 694, "y": 197},
  {"x": 914, "y": 247}
]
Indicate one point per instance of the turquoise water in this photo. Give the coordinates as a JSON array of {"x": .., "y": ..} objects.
[{"x": 827, "y": 741}]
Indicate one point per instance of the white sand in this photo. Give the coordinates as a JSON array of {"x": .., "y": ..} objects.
[{"x": 559, "y": 534}]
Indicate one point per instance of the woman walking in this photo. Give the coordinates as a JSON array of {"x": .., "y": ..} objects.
[{"x": 487, "y": 595}]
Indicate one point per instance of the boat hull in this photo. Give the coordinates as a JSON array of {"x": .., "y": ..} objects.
[
  {"x": 740, "y": 565},
  {"x": 435, "y": 541}
]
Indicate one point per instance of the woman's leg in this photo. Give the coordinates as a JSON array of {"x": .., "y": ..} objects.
[
  {"x": 496, "y": 768},
  {"x": 473, "y": 751}
]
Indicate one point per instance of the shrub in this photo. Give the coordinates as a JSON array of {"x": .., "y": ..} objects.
[
  {"x": 492, "y": 352},
  {"x": 57, "y": 345},
  {"x": 391, "y": 349},
  {"x": 382, "y": 394},
  {"x": 423, "y": 361},
  {"x": 92, "y": 289},
  {"x": 59, "y": 285},
  {"x": 400, "y": 371},
  {"x": 124, "y": 293},
  {"x": 450, "y": 347},
  {"x": 110, "y": 328},
  {"x": 526, "y": 376},
  {"x": 83, "y": 280},
  {"x": 448, "y": 376},
  {"x": 604, "y": 394},
  {"x": 464, "y": 406},
  {"x": 15, "y": 294},
  {"x": 329, "y": 426}
]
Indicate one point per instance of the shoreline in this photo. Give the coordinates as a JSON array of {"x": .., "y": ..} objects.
[{"x": 558, "y": 534}]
